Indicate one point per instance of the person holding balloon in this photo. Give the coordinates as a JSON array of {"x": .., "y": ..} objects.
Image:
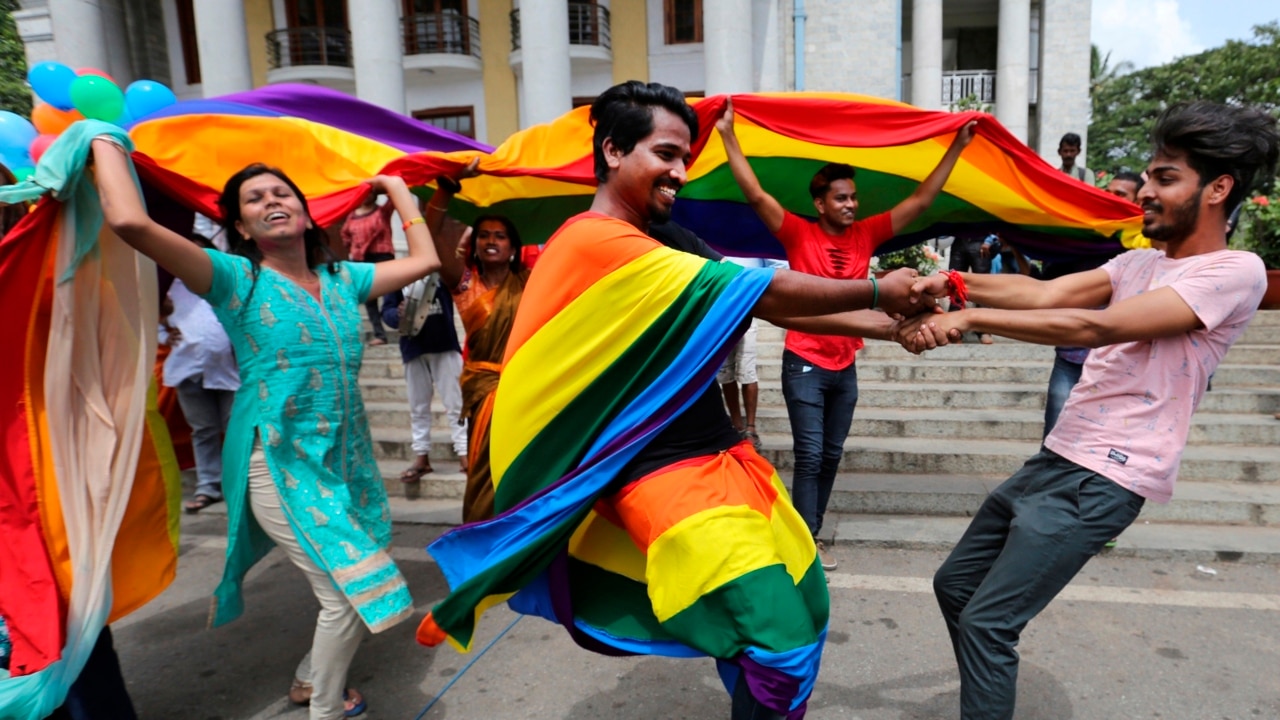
[{"x": 298, "y": 467}]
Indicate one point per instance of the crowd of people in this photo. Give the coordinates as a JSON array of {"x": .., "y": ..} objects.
[{"x": 266, "y": 348}]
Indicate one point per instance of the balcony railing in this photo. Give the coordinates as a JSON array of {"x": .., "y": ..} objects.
[
  {"x": 443, "y": 32},
  {"x": 588, "y": 25},
  {"x": 291, "y": 47},
  {"x": 960, "y": 84}
]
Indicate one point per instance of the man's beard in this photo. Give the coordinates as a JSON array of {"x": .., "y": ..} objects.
[
  {"x": 659, "y": 214},
  {"x": 1180, "y": 225}
]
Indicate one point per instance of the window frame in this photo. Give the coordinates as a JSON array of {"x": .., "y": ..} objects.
[
  {"x": 669, "y": 23},
  {"x": 426, "y": 115}
]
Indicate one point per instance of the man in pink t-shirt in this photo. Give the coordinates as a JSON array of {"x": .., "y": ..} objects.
[
  {"x": 819, "y": 380},
  {"x": 1169, "y": 319}
]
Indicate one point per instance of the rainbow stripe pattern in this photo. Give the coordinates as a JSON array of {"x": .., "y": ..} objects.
[
  {"x": 665, "y": 565},
  {"x": 89, "y": 486},
  {"x": 328, "y": 142}
]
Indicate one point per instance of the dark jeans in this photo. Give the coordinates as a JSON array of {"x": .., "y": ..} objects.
[
  {"x": 820, "y": 405},
  {"x": 1064, "y": 377},
  {"x": 371, "y": 307},
  {"x": 1030, "y": 537},
  {"x": 966, "y": 256}
]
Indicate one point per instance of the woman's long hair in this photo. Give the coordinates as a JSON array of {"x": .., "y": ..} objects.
[
  {"x": 318, "y": 252},
  {"x": 513, "y": 235}
]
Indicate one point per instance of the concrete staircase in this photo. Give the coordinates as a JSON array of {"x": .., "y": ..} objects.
[{"x": 933, "y": 434}]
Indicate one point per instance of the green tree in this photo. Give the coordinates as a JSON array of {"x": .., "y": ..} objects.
[
  {"x": 14, "y": 94},
  {"x": 1125, "y": 104}
]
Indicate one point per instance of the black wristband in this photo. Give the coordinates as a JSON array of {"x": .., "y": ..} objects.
[{"x": 448, "y": 184}]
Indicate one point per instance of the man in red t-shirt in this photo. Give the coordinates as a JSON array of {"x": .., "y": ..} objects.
[{"x": 819, "y": 380}]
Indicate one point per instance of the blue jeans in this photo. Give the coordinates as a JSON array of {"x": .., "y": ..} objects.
[
  {"x": 1064, "y": 377},
  {"x": 207, "y": 412},
  {"x": 1029, "y": 538},
  {"x": 820, "y": 405}
]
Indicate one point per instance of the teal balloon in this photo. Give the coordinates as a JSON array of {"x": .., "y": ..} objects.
[
  {"x": 144, "y": 97},
  {"x": 125, "y": 118},
  {"x": 23, "y": 173},
  {"x": 16, "y": 134},
  {"x": 97, "y": 97},
  {"x": 52, "y": 82}
]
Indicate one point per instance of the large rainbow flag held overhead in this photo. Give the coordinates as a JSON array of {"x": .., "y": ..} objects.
[{"x": 328, "y": 142}]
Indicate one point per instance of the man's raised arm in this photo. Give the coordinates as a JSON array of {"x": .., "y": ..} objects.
[
  {"x": 907, "y": 211},
  {"x": 765, "y": 205}
]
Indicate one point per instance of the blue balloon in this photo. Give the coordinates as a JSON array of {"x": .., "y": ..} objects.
[
  {"x": 144, "y": 97},
  {"x": 13, "y": 158},
  {"x": 16, "y": 133},
  {"x": 52, "y": 82}
]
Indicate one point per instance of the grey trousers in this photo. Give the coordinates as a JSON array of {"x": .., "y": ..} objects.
[{"x": 1031, "y": 536}]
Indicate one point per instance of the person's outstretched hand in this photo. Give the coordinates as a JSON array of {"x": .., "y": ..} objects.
[
  {"x": 898, "y": 296},
  {"x": 917, "y": 333},
  {"x": 724, "y": 124}
]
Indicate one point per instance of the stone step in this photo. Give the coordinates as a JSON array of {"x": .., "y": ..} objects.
[
  {"x": 1035, "y": 372},
  {"x": 969, "y": 396},
  {"x": 913, "y": 455},
  {"x": 931, "y": 423},
  {"x": 992, "y": 396},
  {"x": 960, "y": 496},
  {"x": 878, "y": 494},
  {"x": 1204, "y": 544},
  {"x": 1253, "y": 464}
]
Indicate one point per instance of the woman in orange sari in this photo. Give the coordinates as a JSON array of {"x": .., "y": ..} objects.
[{"x": 484, "y": 272}]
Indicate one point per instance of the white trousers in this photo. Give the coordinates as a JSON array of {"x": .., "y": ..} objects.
[
  {"x": 425, "y": 375},
  {"x": 339, "y": 628}
]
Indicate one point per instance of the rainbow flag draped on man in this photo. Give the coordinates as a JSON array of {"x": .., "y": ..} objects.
[{"x": 616, "y": 336}]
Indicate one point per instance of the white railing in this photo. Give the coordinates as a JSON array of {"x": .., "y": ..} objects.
[{"x": 960, "y": 84}]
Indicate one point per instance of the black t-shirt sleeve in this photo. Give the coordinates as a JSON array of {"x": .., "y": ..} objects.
[{"x": 683, "y": 239}]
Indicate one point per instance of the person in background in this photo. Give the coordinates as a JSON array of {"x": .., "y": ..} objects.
[
  {"x": 432, "y": 364},
  {"x": 366, "y": 234},
  {"x": 202, "y": 368},
  {"x": 1069, "y": 149}
]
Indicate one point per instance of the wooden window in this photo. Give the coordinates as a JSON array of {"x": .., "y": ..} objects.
[
  {"x": 316, "y": 13},
  {"x": 460, "y": 119},
  {"x": 683, "y": 21},
  {"x": 187, "y": 36}
]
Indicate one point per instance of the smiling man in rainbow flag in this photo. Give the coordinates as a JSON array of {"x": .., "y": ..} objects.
[{"x": 629, "y": 510}]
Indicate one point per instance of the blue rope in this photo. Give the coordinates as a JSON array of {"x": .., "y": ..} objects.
[{"x": 465, "y": 668}]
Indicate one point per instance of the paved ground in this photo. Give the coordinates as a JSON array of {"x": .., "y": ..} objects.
[{"x": 1131, "y": 638}]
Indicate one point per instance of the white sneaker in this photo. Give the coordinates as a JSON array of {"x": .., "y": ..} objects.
[{"x": 825, "y": 556}]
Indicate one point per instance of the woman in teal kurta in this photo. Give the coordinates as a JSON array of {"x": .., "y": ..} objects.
[{"x": 298, "y": 443}]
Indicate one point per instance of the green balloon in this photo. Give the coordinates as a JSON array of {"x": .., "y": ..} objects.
[
  {"x": 97, "y": 97},
  {"x": 23, "y": 173}
]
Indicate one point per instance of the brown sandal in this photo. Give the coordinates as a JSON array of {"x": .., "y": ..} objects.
[{"x": 414, "y": 473}]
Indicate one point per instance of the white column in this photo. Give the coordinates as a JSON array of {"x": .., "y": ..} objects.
[
  {"x": 544, "y": 60},
  {"x": 223, "y": 42},
  {"x": 377, "y": 52},
  {"x": 726, "y": 46},
  {"x": 1013, "y": 65},
  {"x": 78, "y": 33},
  {"x": 926, "y": 54}
]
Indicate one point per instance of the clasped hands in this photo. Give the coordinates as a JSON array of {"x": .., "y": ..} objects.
[{"x": 919, "y": 323}]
